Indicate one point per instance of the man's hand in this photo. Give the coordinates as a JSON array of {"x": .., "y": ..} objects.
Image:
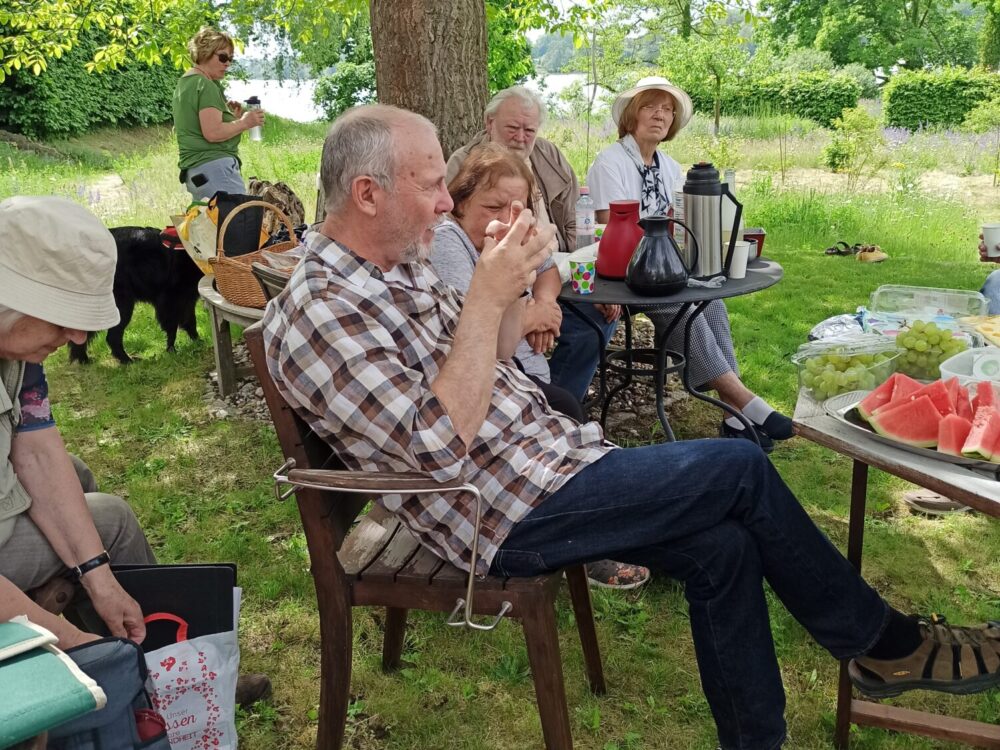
[
  {"x": 119, "y": 611},
  {"x": 984, "y": 257},
  {"x": 611, "y": 313},
  {"x": 509, "y": 266}
]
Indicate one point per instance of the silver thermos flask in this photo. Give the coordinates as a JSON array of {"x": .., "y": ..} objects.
[
  {"x": 256, "y": 133},
  {"x": 703, "y": 196}
]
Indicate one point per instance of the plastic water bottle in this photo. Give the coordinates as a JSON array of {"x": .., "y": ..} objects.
[
  {"x": 584, "y": 219},
  {"x": 255, "y": 132}
]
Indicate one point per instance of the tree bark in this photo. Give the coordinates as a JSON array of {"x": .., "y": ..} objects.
[{"x": 430, "y": 57}]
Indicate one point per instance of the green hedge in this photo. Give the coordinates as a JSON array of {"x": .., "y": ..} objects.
[
  {"x": 936, "y": 98},
  {"x": 67, "y": 100},
  {"x": 818, "y": 95}
]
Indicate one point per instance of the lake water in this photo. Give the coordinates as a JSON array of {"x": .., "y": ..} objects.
[{"x": 294, "y": 99}]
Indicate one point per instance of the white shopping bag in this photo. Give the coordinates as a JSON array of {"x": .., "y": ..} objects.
[{"x": 194, "y": 686}]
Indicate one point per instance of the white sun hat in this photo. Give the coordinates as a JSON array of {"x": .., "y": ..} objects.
[
  {"x": 684, "y": 108},
  {"x": 57, "y": 262}
]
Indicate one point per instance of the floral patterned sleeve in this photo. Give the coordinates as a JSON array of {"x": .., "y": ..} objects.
[{"x": 36, "y": 414}]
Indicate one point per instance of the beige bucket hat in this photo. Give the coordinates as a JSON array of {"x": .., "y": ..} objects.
[
  {"x": 57, "y": 262},
  {"x": 684, "y": 106}
]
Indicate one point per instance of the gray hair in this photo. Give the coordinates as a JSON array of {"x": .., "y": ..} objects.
[
  {"x": 522, "y": 94},
  {"x": 361, "y": 143},
  {"x": 8, "y": 317}
]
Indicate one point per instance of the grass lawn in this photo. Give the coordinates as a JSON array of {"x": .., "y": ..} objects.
[{"x": 201, "y": 486}]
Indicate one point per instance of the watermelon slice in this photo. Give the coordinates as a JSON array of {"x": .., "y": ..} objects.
[
  {"x": 938, "y": 394},
  {"x": 985, "y": 396},
  {"x": 911, "y": 422},
  {"x": 952, "y": 433},
  {"x": 879, "y": 397},
  {"x": 903, "y": 387},
  {"x": 964, "y": 406},
  {"x": 984, "y": 435},
  {"x": 952, "y": 385}
]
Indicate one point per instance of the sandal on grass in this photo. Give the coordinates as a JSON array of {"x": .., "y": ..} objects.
[
  {"x": 871, "y": 254},
  {"x": 608, "y": 574},
  {"x": 949, "y": 659},
  {"x": 840, "y": 248}
]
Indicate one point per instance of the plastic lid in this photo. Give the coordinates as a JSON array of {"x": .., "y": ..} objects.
[{"x": 848, "y": 345}]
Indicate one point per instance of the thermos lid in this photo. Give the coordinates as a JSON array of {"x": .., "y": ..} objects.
[
  {"x": 703, "y": 179},
  {"x": 252, "y": 100}
]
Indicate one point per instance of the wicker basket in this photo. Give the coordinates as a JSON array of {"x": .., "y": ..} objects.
[{"x": 233, "y": 276}]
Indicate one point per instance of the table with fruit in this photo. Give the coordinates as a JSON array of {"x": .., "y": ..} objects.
[{"x": 931, "y": 384}]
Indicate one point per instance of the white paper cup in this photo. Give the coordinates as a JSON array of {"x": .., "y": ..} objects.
[
  {"x": 738, "y": 266},
  {"x": 991, "y": 238}
]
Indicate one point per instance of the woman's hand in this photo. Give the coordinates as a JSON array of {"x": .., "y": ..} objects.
[
  {"x": 235, "y": 107},
  {"x": 611, "y": 313},
  {"x": 120, "y": 612},
  {"x": 984, "y": 255},
  {"x": 540, "y": 341},
  {"x": 252, "y": 118}
]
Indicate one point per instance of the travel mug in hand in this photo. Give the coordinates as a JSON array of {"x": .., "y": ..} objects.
[{"x": 256, "y": 133}]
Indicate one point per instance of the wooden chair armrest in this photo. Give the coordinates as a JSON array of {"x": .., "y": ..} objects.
[{"x": 377, "y": 482}]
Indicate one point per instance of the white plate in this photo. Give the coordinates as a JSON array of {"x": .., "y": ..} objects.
[{"x": 843, "y": 408}]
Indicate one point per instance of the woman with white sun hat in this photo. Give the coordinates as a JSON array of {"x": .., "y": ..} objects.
[{"x": 647, "y": 115}]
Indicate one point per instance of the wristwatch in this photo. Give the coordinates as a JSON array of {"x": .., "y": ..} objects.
[{"x": 78, "y": 571}]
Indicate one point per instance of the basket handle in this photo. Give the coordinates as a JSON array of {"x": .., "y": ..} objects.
[{"x": 229, "y": 217}]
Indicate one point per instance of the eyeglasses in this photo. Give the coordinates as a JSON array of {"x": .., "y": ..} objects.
[
  {"x": 666, "y": 109},
  {"x": 224, "y": 58}
]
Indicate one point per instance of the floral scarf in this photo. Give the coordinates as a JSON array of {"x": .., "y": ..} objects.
[{"x": 654, "y": 199}]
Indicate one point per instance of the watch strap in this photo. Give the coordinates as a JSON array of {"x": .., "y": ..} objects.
[{"x": 78, "y": 571}]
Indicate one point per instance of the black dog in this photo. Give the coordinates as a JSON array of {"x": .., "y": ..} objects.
[{"x": 149, "y": 271}]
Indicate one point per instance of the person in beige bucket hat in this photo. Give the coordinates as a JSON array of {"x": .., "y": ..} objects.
[
  {"x": 57, "y": 265},
  {"x": 57, "y": 262}
]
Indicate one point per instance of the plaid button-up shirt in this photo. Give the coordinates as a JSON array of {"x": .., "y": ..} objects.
[{"x": 354, "y": 352}]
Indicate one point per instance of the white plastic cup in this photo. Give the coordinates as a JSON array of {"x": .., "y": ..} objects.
[
  {"x": 991, "y": 238},
  {"x": 738, "y": 267}
]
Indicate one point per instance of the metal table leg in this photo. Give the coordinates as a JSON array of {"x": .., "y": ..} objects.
[{"x": 602, "y": 367}]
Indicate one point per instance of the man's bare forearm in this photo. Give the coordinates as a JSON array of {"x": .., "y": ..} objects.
[
  {"x": 465, "y": 384},
  {"x": 14, "y": 602}
]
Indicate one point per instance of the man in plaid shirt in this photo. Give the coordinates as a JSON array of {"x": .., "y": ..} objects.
[{"x": 399, "y": 372}]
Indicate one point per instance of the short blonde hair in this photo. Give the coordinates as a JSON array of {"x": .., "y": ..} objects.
[
  {"x": 629, "y": 119},
  {"x": 206, "y": 43}
]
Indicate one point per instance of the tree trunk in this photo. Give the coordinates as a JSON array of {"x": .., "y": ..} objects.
[
  {"x": 989, "y": 41},
  {"x": 430, "y": 57}
]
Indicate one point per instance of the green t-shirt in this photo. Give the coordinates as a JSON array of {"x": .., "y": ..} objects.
[{"x": 194, "y": 93}]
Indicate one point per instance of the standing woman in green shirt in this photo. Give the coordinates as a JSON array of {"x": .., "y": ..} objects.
[{"x": 208, "y": 127}]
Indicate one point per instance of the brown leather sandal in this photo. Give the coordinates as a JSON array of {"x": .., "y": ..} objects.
[{"x": 949, "y": 660}]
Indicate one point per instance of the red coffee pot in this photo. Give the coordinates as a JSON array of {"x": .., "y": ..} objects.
[{"x": 620, "y": 238}]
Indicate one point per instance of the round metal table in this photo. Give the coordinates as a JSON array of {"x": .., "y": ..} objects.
[{"x": 761, "y": 274}]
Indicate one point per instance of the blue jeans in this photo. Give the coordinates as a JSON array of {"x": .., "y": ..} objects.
[
  {"x": 991, "y": 290},
  {"x": 576, "y": 356},
  {"x": 715, "y": 515}
]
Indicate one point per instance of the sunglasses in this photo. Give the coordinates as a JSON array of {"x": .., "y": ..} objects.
[{"x": 224, "y": 58}]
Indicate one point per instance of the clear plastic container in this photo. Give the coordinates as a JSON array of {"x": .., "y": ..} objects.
[
  {"x": 973, "y": 366},
  {"x": 830, "y": 367},
  {"x": 927, "y": 301}
]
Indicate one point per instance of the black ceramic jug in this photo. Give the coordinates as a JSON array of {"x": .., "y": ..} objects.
[{"x": 656, "y": 268}]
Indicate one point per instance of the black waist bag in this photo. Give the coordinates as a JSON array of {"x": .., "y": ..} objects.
[{"x": 118, "y": 666}]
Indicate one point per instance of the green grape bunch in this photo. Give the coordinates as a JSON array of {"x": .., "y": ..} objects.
[
  {"x": 925, "y": 347},
  {"x": 832, "y": 373}
]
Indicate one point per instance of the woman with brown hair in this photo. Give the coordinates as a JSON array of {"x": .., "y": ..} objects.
[
  {"x": 490, "y": 184},
  {"x": 634, "y": 168}
]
